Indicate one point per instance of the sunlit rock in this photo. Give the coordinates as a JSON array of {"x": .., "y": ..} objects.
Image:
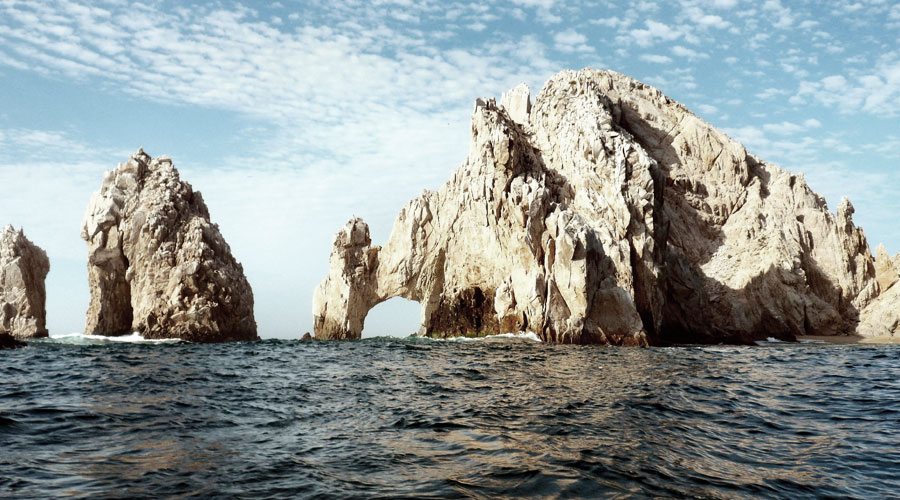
[
  {"x": 156, "y": 264},
  {"x": 610, "y": 214},
  {"x": 23, "y": 268}
]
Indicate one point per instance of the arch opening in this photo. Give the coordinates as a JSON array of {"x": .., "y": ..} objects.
[{"x": 395, "y": 317}]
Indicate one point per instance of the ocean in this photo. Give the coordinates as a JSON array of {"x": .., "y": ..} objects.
[{"x": 418, "y": 418}]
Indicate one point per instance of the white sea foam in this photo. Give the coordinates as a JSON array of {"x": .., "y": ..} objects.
[
  {"x": 134, "y": 338},
  {"x": 521, "y": 335}
]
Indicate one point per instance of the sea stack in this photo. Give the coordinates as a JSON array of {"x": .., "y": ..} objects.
[
  {"x": 608, "y": 213},
  {"x": 156, "y": 264},
  {"x": 23, "y": 297}
]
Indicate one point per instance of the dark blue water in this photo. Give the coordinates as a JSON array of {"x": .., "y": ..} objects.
[{"x": 419, "y": 418}]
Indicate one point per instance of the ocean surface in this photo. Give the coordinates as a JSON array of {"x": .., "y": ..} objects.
[{"x": 395, "y": 418}]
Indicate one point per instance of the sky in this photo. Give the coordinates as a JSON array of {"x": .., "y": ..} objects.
[{"x": 292, "y": 117}]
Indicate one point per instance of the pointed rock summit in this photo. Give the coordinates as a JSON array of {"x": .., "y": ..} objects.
[
  {"x": 156, "y": 264},
  {"x": 23, "y": 268},
  {"x": 608, "y": 213}
]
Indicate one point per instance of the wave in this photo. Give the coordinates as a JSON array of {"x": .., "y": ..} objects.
[
  {"x": 81, "y": 338},
  {"x": 521, "y": 335}
]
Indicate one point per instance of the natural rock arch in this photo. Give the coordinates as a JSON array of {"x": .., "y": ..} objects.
[
  {"x": 609, "y": 213},
  {"x": 509, "y": 244}
]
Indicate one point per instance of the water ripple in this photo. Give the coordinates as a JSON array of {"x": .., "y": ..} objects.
[{"x": 389, "y": 418}]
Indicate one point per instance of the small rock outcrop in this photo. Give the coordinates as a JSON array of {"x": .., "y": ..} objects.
[
  {"x": 23, "y": 297},
  {"x": 156, "y": 264},
  {"x": 7, "y": 341},
  {"x": 608, "y": 213}
]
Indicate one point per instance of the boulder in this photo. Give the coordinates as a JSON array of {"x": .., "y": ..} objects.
[
  {"x": 23, "y": 297},
  {"x": 156, "y": 264}
]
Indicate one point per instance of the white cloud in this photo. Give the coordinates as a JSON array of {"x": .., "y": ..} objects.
[
  {"x": 571, "y": 41},
  {"x": 782, "y": 17},
  {"x": 771, "y": 92},
  {"x": 544, "y": 4},
  {"x": 655, "y": 31},
  {"x": 682, "y": 51},
  {"x": 783, "y": 128},
  {"x": 876, "y": 92},
  {"x": 703, "y": 20},
  {"x": 707, "y": 109},
  {"x": 724, "y": 4},
  {"x": 656, "y": 58}
]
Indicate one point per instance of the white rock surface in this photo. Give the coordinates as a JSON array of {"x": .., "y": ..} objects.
[
  {"x": 510, "y": 244},
  {"x": 156, "y": 264},
  {"x": 517, "y": 103},
  {"x": 611, "y": 215},
  {"x": 23, "y": 268},
  {"x": 886, "y": 270}
]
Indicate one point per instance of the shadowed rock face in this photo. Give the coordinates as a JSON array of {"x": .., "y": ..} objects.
[
  {"x": 156, "y": 264},
  {"x": 23, "y": 268},
  {"x": 607, "y": 213}
]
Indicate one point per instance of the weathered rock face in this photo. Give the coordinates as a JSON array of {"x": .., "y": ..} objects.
[
  {"x": 881, "y": 318},
  {"x": 156, "y": 264},
  {"x": 886, "y": 270},
  {"x": 563, "y": 242},
  {"x": 608, "y": 214},
  {"x": 751, "y": 247},
  {"x": 23, "y": 268}
]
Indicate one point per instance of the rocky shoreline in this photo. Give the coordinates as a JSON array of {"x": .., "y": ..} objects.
[{"x": 603, "y": 212}]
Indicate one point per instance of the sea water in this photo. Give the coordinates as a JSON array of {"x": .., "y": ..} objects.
[{"x": 497, "y": 418}]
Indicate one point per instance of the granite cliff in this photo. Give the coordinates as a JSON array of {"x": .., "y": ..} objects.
[
  {"x": 23, "y": 268},
  {"x": 156, "y": 264},
  {"x": 608, "y": 213}
]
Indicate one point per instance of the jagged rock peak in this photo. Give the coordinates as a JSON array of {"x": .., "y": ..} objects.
[
  {"x": 23, "y": 297},
  {"x": 156, "y": 264},
  {"x": 609, "y": 213},
  {"x": 517, "y": 103}
]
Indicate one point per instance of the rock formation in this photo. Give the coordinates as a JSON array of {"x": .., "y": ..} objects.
[
  {"x": 7, "y": 341},
  {"x": 886, "y": 270},
  {"x": 156, "y": 264},
  {"x": 881, "y": 318},
  {"x": 607, "y": 213},
  {"x": 23, "y": 268}
]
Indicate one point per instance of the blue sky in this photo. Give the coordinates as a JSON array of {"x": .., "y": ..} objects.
[{"x": 292, "y": 117}]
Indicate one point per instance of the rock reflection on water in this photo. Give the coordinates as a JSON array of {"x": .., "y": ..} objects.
[{"x": 427, "y": 418}]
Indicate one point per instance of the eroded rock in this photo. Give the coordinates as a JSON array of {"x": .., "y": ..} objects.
[
  {"x": 885, "y": 268},
  {"x": 611, "y": 215},
  {"x": 562, "y": 242},
  {"x": 23, "y": 297},
  {"x": 156, "y": 264}
]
